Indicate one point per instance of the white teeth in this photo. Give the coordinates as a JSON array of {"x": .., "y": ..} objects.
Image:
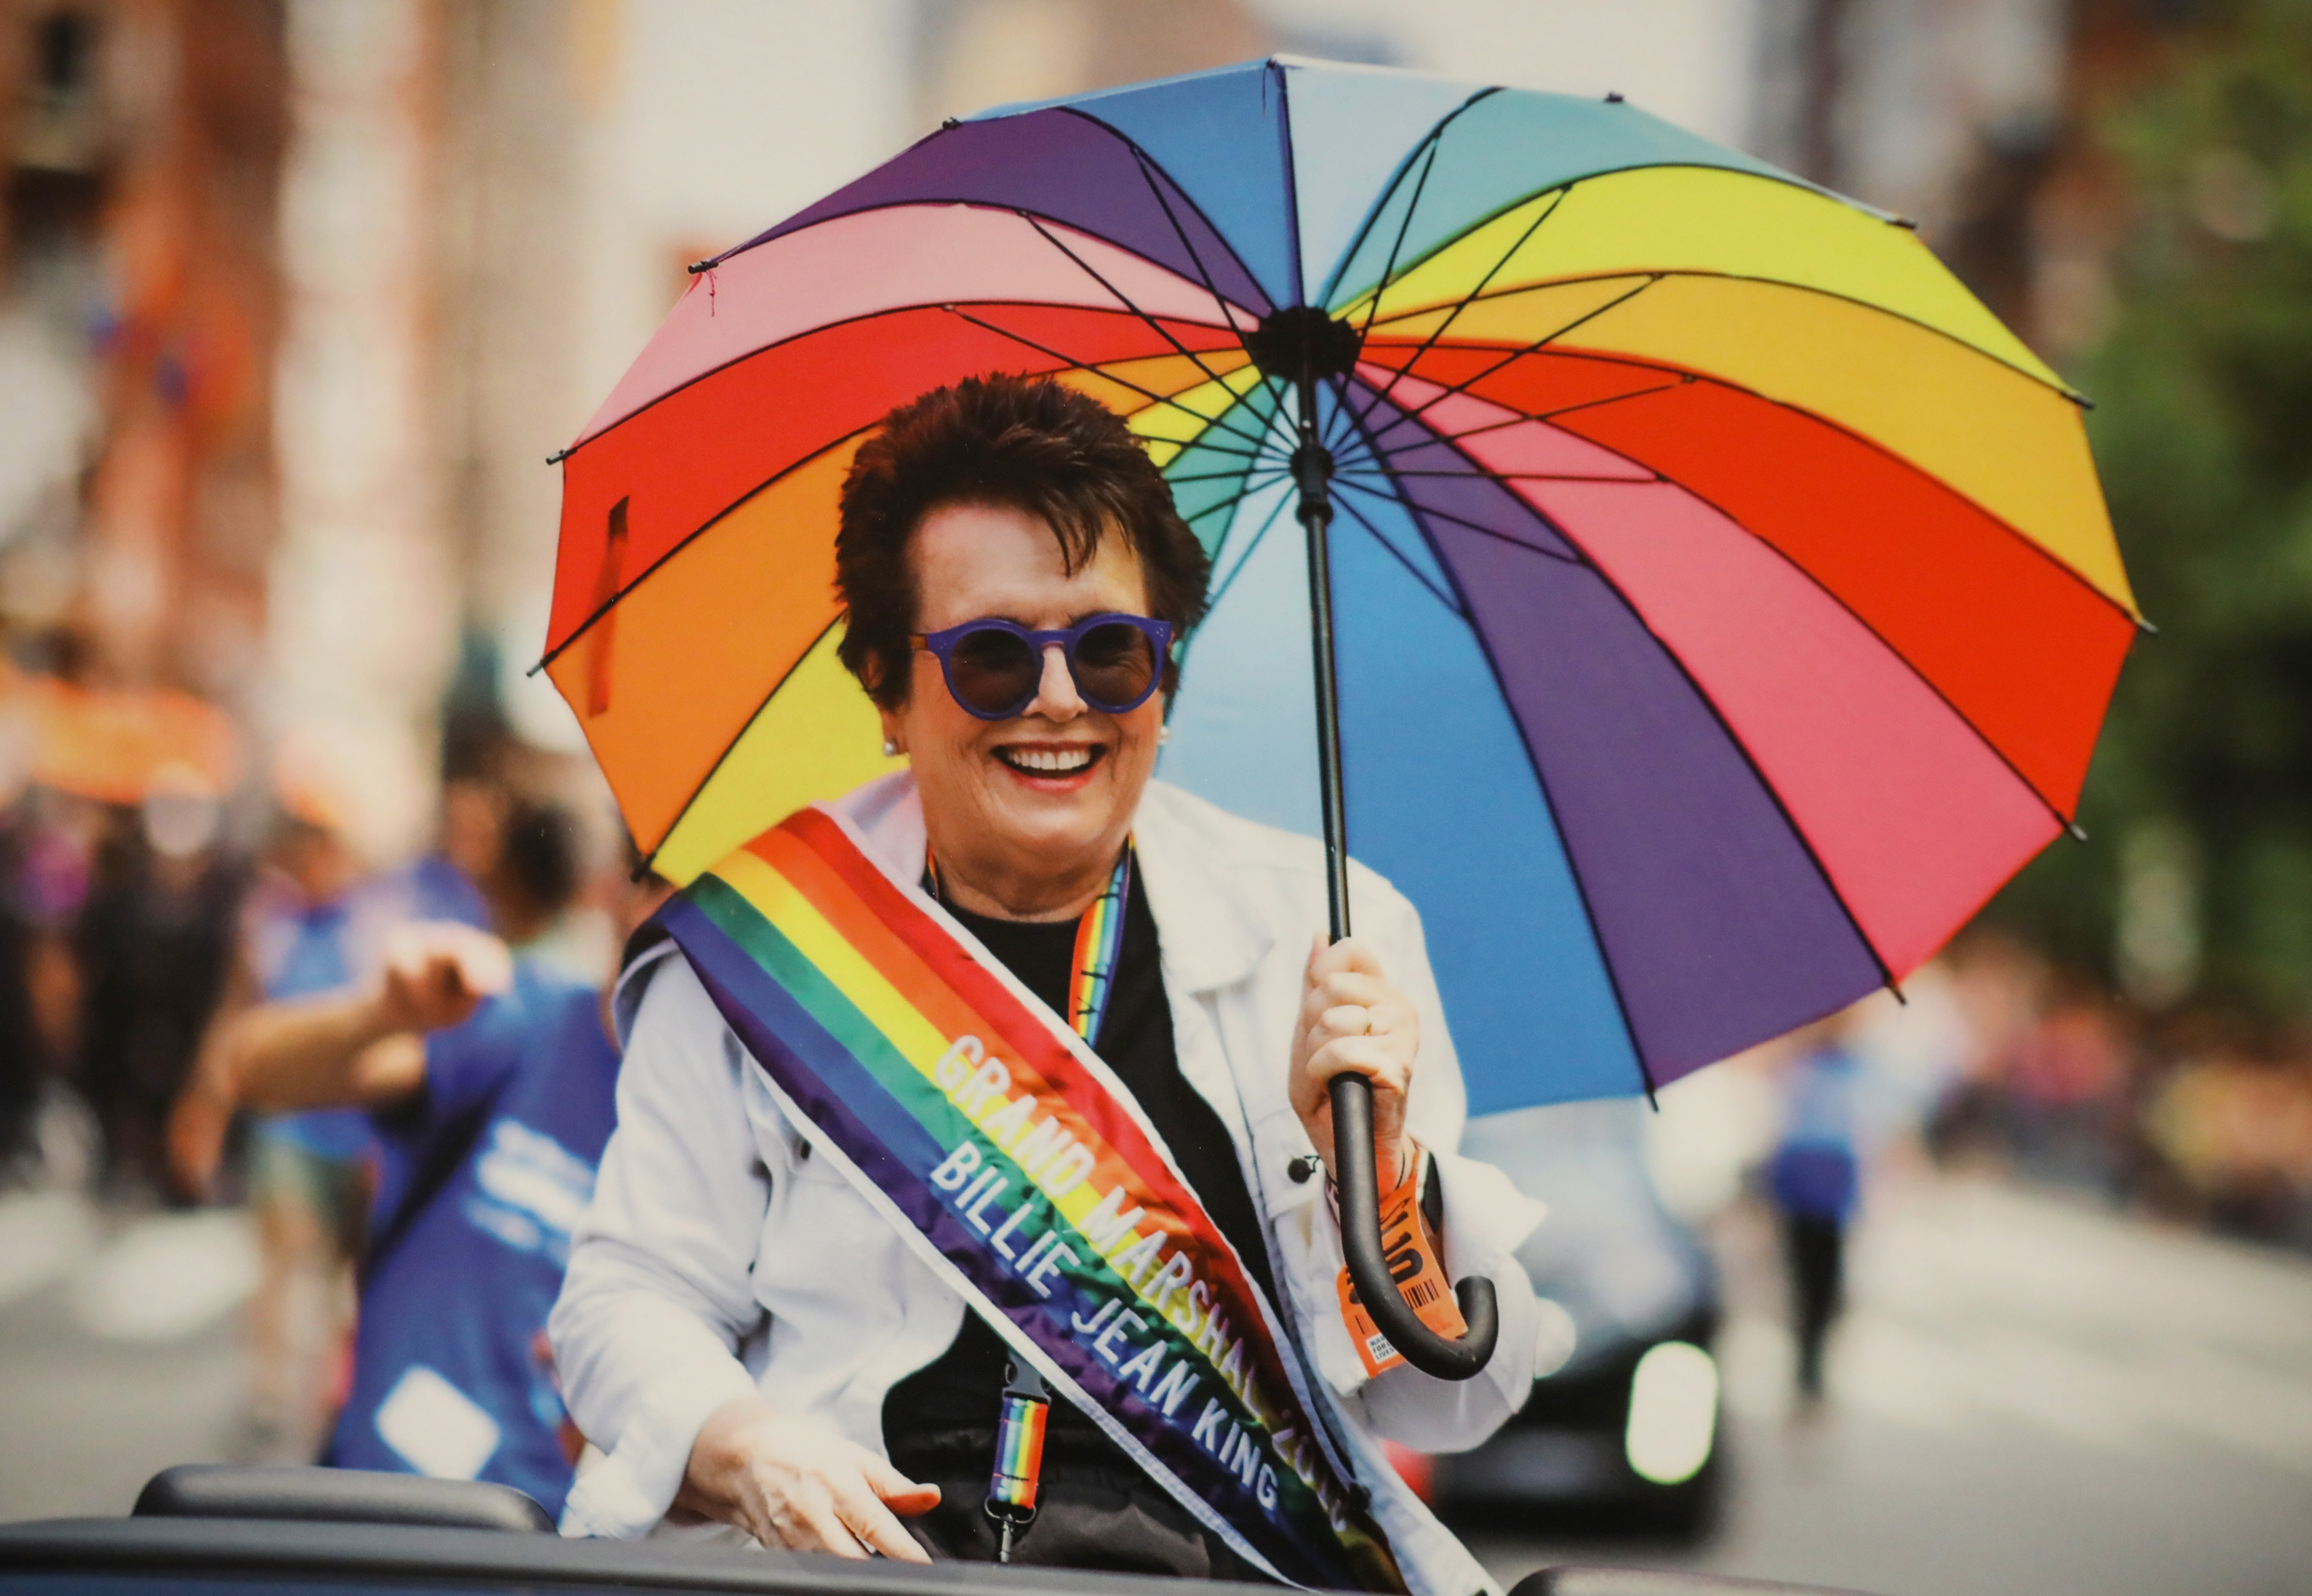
[{"x": 1048, "y": 761}]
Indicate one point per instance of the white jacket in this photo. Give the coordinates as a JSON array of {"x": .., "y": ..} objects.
[{"x": 719, "y": 1260}]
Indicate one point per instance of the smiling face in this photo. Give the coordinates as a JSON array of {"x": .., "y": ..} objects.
[{"x": 1026, "y": 815}]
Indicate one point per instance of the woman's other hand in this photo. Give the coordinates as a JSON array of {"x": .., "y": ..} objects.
[
  {"x": 1354, "y": 1019},
  {"x": 794, "y": 1482}
]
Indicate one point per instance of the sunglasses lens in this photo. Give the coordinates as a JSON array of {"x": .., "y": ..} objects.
[
  {"x": 992, "y": 671},
  {"x": 1114, "y": 666}
]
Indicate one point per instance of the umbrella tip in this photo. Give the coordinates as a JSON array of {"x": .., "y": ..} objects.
[
  {"x": 1907, "y": 224},
  {"x": 557, "y": 457},
  {"x": 2079, "y": 833},
  {"x": 2144, "y": 624},
  {"x": 696, "y": 266},
  {"x": 1614, "y": 97},
  {"x": 948, "y": 122}
]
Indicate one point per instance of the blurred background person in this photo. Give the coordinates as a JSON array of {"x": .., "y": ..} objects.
[
  {"x": 318, "y": 925},
  {"x": 155, "y": 942},
  {"x": 1814, "y": 1179},
  {"x": 487, "y": 1080}
]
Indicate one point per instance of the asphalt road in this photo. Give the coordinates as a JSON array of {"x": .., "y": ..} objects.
[
  {"x": 119, "y": 1350},
  {"x": 2027, "y": 1396}
]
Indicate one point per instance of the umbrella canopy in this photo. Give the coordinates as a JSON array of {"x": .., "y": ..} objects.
[{"x": 1725, "y": 603}]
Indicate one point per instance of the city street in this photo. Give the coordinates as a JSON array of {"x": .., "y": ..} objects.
[{"x": 2028, "y": 1396}]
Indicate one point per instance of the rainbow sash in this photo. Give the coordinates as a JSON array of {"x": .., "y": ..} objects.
[{"x": 1006, "y": 1152}]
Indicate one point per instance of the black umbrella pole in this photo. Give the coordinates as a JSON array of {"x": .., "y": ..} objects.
[
  {"x": 1312, "y": 472},
  {"x": 1352, "y": 1095}
]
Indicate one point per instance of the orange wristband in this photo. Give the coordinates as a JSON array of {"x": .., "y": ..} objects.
[{"x": 1413, "y": 1265}]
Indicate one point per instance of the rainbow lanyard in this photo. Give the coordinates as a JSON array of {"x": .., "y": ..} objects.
[
  {"x": 1100, "y": 943},
  {"x": 1018, "y": 1467}
]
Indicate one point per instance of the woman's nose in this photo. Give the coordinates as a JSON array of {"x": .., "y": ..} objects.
[{"x": 1056, "y": 698}]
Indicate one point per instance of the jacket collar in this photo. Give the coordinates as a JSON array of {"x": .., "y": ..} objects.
[{"x": 1211, "y": 935}]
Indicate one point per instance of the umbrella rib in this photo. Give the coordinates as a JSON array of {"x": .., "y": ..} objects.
[
  {"x": 1073, "y": 363},
  {"x": 1237, "y": 569},
  {"x": 1478, "y": 527},
  {"x": 1684, "y": 379},
  {"x": 1431, "y": 142},
  {"x": 1438, "y": 330},
  {"x": 1774, "y": 796},
  {"x": 1861, "y": 620},
  {"x": 1929, "y": 682},
  {"x": 1514, "y": 356},
  {"x": 1339, "y": 435},
  {"x": 2057, "y": 387},
  {"x": 1398, "y": 554},
  {"x": 685, "y": 542},
  {"x": 650, "y": 861},
  {"x": 1147, "y": 176},
  {"x": 1185, "y": 198},
  {"x": 1258, "y": 450},
  {"x": 814, "y": 330},
  {"x": 1233, "y": 501},
  {"x": 1275, "y": 440},
  {"x": 1272, "y": 431},
  {"x": 1506, "y": 478},
  {"x": 1964, "y": 719},
  {"x": 1798, "y": 833},
  {"x": 1517, "y": 418},
  {"x": 1087, "y": 269},
  {"x": 1404, "y": 228},
  {"x": 1253, "y": 469},
  {"x": 1541, "y": 781}
]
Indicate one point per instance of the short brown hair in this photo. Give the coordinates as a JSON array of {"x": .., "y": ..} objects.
[{"x": 1025, "y": 444}]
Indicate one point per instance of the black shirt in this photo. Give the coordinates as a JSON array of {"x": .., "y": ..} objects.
[{"x": 939, "y": 1424}]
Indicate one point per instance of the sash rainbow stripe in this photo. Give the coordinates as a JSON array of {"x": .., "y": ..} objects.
[{"x": 1002, "y": 1149}]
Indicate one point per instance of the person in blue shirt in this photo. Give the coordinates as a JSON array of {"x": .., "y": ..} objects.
[
  {"x": 1814, "y": 1178},
  {"x": 489, "y": 1084},
  {"x": 315, "y": 927}
]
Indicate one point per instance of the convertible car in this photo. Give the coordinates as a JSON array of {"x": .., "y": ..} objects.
[{"x": 216, "y": 1530}]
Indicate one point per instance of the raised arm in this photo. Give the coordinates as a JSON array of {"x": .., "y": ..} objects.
[
  {"x": 358, "y": 1051},
  {"x": 365, "y": 1050}
]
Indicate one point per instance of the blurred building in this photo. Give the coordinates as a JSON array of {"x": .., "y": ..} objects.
[
  {"x": 297, "y": 296},
  {"x": 139, "y": 314}
]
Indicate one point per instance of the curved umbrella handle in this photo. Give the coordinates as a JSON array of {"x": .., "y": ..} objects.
[{"x": 1432, "y": 1353}]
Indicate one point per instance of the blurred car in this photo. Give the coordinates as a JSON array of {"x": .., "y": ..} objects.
[{"x": 1621, "y": 1434}]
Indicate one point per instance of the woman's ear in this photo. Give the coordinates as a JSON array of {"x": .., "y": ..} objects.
[{"x": 895, "y": 743}]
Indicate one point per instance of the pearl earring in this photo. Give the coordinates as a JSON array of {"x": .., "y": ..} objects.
[
  {"x": 1164, "y": 735},
  {"x": 890, "y": 748}
]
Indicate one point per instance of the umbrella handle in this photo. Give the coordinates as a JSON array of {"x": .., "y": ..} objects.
[
  {"x": 1298, "y": 343},
  {"x": 1352, "y": 1160}
]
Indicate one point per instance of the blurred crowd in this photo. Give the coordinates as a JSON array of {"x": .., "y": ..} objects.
[
  {"x": 147, "y": 902},
  {"x": 155, "y": 886},
  {"x": 2198, "y": 1115}
]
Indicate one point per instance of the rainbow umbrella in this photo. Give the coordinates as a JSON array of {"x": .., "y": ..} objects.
[{"x": 1722, "y": 599}]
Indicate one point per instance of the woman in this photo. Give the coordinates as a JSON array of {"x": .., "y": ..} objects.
[{"x": 753, "y": 1327}]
